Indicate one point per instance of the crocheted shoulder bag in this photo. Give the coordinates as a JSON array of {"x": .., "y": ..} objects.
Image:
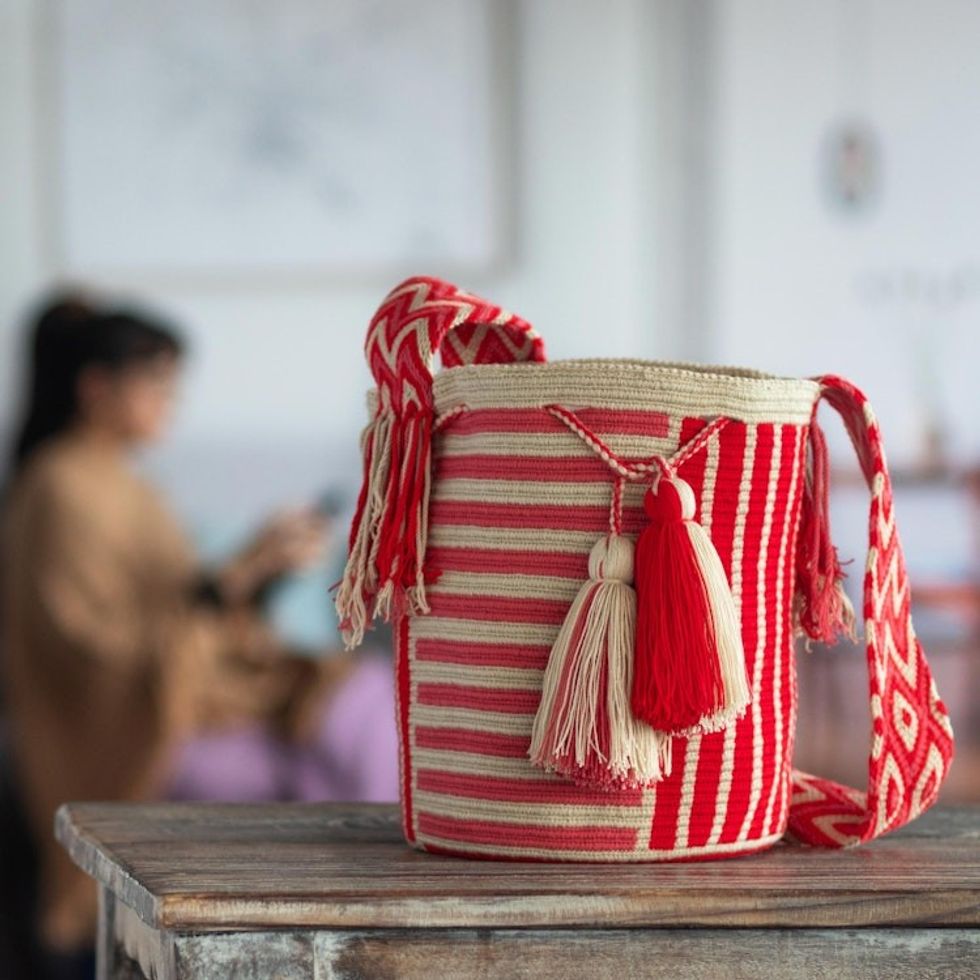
[{"x": 596, "y": 571}]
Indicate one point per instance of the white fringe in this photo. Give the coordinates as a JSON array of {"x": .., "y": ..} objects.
[
  {"x": 360, "y": 576},
  {"x": 637, "y": 753}
]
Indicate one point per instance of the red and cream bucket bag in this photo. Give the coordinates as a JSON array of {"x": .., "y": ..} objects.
[{"x": 596, "y": 570}]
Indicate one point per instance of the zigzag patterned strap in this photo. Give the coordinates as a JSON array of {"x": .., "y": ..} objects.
[
  {"x": 384, "y": 573},
  {"x": 911, "y": 736}
]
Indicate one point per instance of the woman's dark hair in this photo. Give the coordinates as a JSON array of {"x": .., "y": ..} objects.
[{"x": 68, "y": 335}]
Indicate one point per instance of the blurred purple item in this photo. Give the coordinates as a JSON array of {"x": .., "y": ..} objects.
[{"x": 353, "y": 755}]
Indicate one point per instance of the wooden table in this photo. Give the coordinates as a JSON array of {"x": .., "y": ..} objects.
[{"x": 331, "y": 891}]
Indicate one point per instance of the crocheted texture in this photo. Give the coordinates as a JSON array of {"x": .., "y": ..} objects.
[
  {"x": 389, "y": 531},
  {"x": 912, "y": 739},
  {"x": 517, "y": 502}
]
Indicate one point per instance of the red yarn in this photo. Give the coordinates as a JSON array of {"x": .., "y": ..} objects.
[
  {"x": 367, "y": 451},
  {"x": 399, "y": 561},
  {"x": 677, "y": 678},
  {"x": 823, "y": 612},
  {"x": 384, "y": 575}
]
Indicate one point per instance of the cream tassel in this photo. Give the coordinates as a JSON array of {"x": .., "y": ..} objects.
[{"x": 585, "y": 728}]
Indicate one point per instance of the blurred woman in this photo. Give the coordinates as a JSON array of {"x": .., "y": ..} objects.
[{"x": 119, "y": 649}]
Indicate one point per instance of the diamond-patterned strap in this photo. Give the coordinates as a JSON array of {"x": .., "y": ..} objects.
[{"x": 911, "y": 736}]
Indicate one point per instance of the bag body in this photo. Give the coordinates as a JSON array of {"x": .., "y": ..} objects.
[{"x": 518, "y": 461}]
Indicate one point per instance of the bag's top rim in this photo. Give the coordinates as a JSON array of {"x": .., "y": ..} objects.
[{"x": 677, "y": 388}]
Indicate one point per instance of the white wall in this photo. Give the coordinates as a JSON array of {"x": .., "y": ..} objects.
[
  {"x": 20, "y": 232},
  {"x": 277, "y": 380},
  {"x": 796, "y": 280},
  {"x": 608, "y": 254}
]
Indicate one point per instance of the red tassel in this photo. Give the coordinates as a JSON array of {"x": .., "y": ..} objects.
[
  {"x": 690, "y": 666},
  {"x": 824, "y": 611},
  {"x": 401, "y": 534}
]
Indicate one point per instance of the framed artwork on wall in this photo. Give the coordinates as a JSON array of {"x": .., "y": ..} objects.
[{"x": 239, "y": 138}]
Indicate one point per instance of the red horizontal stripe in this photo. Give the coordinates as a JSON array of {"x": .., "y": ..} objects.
[
  {"x": 561, "y": 564},
  {"x": 542, "y": 469},
  {"x": 482, "y": 654},
  {"x": 500, "y": 788},
  {"x": 467, "y": 740},
  {"x": 511, "y": 702},
  {"x": 542, "y": 612},
  {"x": 574, "y": 517},
  {"x": 527, "y": 835},
  {"x": 602, "y": 421}
]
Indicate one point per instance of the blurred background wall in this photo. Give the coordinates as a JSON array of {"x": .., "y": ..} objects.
[
  {"x": 574, "y": 169},
  {"x": 776, "y": 183}
]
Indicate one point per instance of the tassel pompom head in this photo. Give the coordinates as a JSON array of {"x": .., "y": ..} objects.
[
  {"x": 690, "y": 666},
  {"x": 672, "y": 501},
  {"x": 584, "y": 728},
  {"x": 611, "y": 560}
]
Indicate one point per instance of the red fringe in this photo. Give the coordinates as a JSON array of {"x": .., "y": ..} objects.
[
  {"x": 677, "y": 678},
  {"x": 384, "y": 575},
  {"x": 823, "y": 610},
  {"x": 399, "y": 564}
]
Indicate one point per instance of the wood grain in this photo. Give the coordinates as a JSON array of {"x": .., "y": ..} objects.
[
  {"x": 225, "y": 867},
  {"x": 735, "y": 954}
]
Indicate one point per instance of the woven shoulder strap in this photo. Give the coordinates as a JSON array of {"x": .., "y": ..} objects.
[
  {"x": 911, "y": 737},
  {"x": 384, "y": 573},
  {"x": 423, "y": 315}
]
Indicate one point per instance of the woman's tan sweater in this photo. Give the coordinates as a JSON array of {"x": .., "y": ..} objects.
[{"x": 107, "y": 659}]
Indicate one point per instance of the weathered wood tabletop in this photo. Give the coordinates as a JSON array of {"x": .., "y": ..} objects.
[{"x": 318, "y": 891}]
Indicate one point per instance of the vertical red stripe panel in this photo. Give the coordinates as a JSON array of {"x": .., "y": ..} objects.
[
  {"x": 731, "y": 452},
  {"x": 787, "y": 690},
  {"x": 668, "y": 792},
  {"x": 738, "y": 799},
  {"x": 771, "y": 589}
]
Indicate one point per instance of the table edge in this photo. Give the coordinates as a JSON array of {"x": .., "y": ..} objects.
[{"x": 214, "y": 912}]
